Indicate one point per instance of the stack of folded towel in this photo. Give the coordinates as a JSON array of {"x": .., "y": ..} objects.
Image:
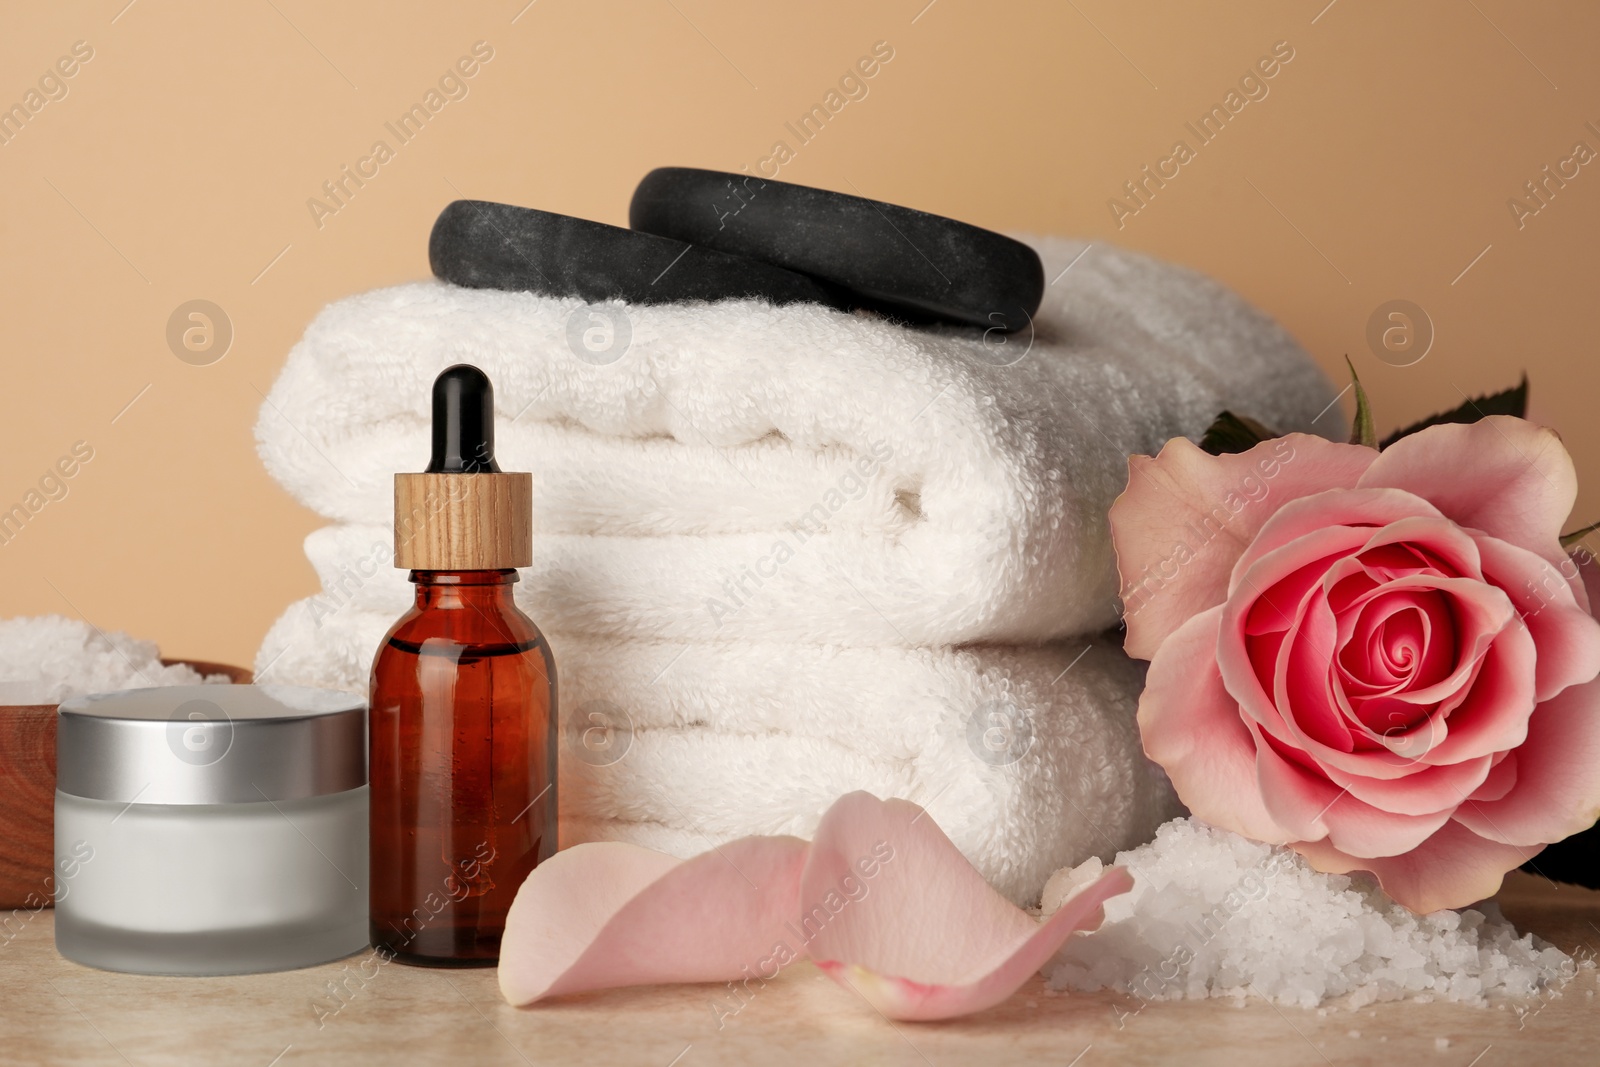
[{"x": 782, "y": 553}]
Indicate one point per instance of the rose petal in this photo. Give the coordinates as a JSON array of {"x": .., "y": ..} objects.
[
  {"x": 1502, "y": 778},
  {"x": 1492, "y": 712},
  {"x": 1394, "y": 640},
  {"x": 1502, "y": 475},
  {"x": 1427, "y": 790},
  {"x": 1566, "y": 635},
  {"x": 1481, "y": 613},
  {"x": 607, "y": 914},
  {"x": 1291, "y": 534},
  {"x": 881, "y": 900},
  {"x": 1303, "y": 682},
  {"x": 1450, "y": 549},
  {"x": 1272, "y": 572},
  {"x": 1235, "y": 656},
  {"x": 1558, "y": 775},
  {"x": 1193, "y": 728},
  {"x": 1452, "y": 869},
  {"x": 1273, "y": 611},
  {"x": 1184, "y": 497},
  {"x": 926, "y": 937},
  {"x": 1312, "y": 807}
]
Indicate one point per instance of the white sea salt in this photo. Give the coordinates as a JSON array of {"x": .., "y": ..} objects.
[
  {"x": 1213, "y": 914},
  {"x": 47, "y": 658}
]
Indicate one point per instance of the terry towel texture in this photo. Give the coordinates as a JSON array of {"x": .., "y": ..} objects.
[
  {"x": 1025, "y": 763},
  {"x": 749, "y": 471},
  {"x": 790, "y": 552}
]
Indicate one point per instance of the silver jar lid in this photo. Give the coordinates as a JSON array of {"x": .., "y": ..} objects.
[{"x": 211, "y": 744}]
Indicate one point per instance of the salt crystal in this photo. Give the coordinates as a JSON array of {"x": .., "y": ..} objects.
[
  {"x": 48, "y": 658},
  {"x": 1214, "y": 914},
  {"x": 1441, "y": 1043}
]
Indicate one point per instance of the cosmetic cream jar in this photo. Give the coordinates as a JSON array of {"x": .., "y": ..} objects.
[{"x": 211, "y": 829}]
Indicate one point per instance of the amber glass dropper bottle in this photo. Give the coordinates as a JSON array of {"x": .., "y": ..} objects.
[{"x": 463, "y": 704}]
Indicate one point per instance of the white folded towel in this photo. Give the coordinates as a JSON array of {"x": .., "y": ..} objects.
[
  {"x": 1028, "y": 758},
  {"x": 796, "y": 473}
]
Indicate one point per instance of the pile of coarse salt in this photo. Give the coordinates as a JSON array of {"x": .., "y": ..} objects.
[
  {"x": 1213, "y": 914},
  {"x": 48, "y": 658}
]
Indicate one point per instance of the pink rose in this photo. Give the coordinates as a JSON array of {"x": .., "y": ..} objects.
[{"x": 1384, "y": 660}]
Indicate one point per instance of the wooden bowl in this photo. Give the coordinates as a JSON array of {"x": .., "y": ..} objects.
[{"x": 28, "y": 794}]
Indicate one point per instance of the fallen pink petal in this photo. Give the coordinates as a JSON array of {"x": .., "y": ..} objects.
[
  {"x": 881, "y": 900},
  {"x": 608, "y": 914},
  {"x": 927, "y": 937}
]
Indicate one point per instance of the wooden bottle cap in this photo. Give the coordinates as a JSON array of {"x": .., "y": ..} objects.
[{"x": 481, "y": 521}]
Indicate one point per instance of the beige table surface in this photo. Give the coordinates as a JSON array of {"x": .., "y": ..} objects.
[{"x": 56, "y": 1012}]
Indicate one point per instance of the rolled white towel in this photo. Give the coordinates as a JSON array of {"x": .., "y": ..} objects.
[
  {"x": 796, "y": 473},
  {"x": 1028, "y": 758}
]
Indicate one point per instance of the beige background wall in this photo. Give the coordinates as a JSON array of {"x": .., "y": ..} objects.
[{"x": 179, "y": 163}]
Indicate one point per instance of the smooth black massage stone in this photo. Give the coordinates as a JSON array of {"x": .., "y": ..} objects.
[
  {"x": 893, "y": 258},
  {"x": 484, "y": 245}
]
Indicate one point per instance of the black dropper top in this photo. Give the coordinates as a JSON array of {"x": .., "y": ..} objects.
[{"x": 463, "y": 422}]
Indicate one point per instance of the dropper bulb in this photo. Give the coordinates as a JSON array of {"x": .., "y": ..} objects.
[{"x": 463, "y": 422}]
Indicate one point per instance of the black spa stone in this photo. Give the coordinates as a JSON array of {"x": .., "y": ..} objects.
[
  {"x": 483, "y": 245},
  {"x": 893, "y": 258}
]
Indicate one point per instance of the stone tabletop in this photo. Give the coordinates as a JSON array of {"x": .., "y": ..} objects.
[{"x": 56, "y": 1012}]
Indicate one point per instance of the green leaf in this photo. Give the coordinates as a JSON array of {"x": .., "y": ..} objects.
[
  {"x": 1231, "y": 433},
  {"x": 1513, "y": 401},
  {"x": 1568, "y": 540},
  {"x": 1362, "y": 432}
]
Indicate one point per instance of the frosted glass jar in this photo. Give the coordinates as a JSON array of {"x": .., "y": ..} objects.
[{"x": 211, "y": 829}]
